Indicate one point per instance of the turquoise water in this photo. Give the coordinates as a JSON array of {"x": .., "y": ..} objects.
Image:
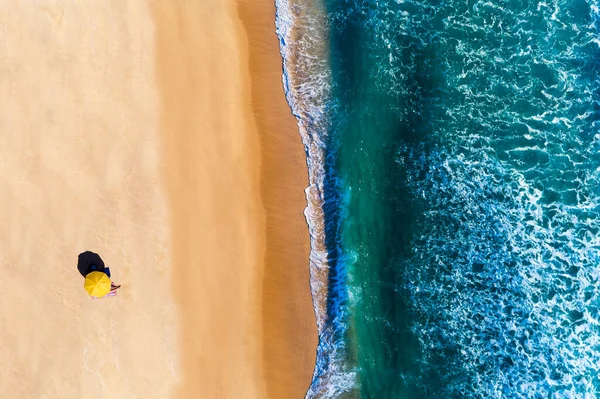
[{"x": 454, "y": 154}]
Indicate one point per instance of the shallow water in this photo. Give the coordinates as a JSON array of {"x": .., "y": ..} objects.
[{"x": 454, "y": 154}]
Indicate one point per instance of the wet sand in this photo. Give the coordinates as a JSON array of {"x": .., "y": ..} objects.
[
  {"x": 157, "y": 135},
  {"x": 290, "y": 333}
]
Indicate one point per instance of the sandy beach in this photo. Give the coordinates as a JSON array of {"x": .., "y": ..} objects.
[
  {"x": 157, "y": 135},
  {"x": 289, "y": 326}
]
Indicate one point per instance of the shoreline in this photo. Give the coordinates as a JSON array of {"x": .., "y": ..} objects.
[
  {"x": 235, "y": 182},
  {"x": 304, "y": 45}
]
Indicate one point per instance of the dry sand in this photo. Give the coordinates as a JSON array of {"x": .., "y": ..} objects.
[
  {"x": 80, "y": 169},
  {"x": 157, "y": 136}
]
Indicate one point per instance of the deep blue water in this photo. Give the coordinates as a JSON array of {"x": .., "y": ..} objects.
[{"x": 454, "y": 210}]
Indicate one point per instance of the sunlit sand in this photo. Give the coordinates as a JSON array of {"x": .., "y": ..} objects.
[{"x": 156, "y": 136}]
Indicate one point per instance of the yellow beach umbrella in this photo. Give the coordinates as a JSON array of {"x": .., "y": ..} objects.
[{"x": 97, "y": 284}]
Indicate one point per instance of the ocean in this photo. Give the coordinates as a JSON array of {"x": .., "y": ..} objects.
[{"x": 454, "y": 211}]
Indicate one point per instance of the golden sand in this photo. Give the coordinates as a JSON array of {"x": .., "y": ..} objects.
[
  {"x": 236, "y": 176},
  {"x": 157, "y": 135},
  {"x": 80, "y": 170}
]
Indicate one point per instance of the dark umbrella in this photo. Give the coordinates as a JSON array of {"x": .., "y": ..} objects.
[{"x": 88, "y": 262}]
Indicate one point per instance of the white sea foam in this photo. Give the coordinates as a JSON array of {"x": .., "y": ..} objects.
[
  {"x": 514, "y": 288},
  {"x": 302, "y": 32}
]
